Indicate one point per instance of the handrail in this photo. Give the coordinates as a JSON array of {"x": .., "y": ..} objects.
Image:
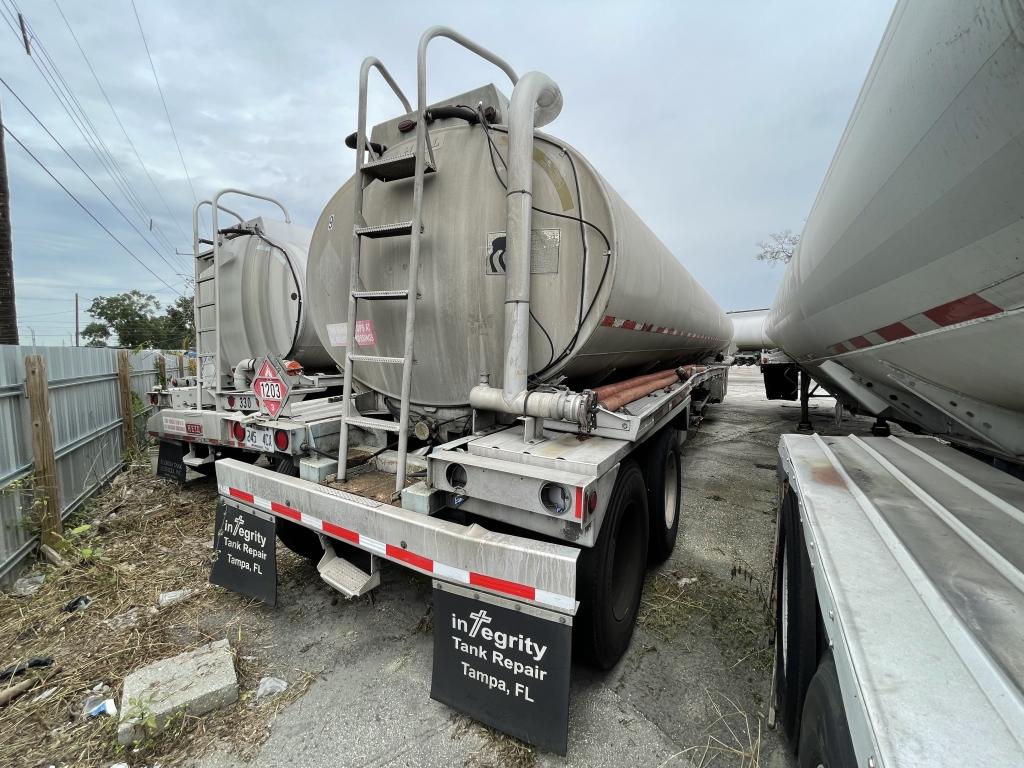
[
  {"x": 421, "y": 69},
  {"x": 195, "y": 223},
  {"x": 372, "y": 62}
]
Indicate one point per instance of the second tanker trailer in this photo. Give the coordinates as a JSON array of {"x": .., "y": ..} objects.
[{"x": 530, "y": 356}]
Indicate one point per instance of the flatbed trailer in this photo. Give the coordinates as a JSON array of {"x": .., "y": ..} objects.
[{"x": 899, "y": 604}]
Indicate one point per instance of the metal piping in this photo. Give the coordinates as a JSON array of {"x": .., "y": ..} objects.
[
  {"x": 536, "y": 101},
  {"x": 561, "y": 405},
  {"x": 238, "y": 376}
]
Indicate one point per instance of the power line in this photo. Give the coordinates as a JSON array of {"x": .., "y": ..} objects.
[
  {"x": 86, "y": 174},
  {"x": 64, "y": 94},
  {"x": 81, "y": 205},
  {"x": 120, "y": 124},
  {"x": 164, "y": 102}
]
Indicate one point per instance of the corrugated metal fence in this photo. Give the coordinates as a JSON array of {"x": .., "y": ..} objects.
[{"x": 88, "y": 441}]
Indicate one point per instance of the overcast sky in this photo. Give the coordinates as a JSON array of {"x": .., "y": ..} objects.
[{"x": 715, "y": 121}]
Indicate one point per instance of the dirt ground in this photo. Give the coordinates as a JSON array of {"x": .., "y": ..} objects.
[{"x": 691, "y": 690}]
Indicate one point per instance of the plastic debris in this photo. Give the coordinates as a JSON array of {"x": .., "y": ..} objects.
[
  {"x": 168, "y": 599},
  {"x": 44, "y": 695},
  {"x": 28, "y": 585},
  {"x": 123, "y": 621},
  {"x": 80, "y": 603},
  {"x": 270, "y": 686},
  {"x": 95, "y": 706}
]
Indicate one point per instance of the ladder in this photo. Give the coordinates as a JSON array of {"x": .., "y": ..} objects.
[{"x": 415, "y": 165}]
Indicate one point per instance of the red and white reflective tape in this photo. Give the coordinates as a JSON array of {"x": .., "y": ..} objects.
[
  {"x": 404, "y": 556},
  {"x": 610, "y": 321},
  {"x": 1001, "y": 297}
]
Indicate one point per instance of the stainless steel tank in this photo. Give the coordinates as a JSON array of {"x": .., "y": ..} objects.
[
  {"x": 263, "y": 302},
  {"x": 602, "y": 307},
  {"x": 907, "y": 289},
  {"x": 749, "y": 333}
]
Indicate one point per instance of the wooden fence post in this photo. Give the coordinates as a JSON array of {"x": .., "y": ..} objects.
[
  {"x": 45, "y": 480},
  {"x": 124, "y": 385},
  {"x": 161, "y": 370}
]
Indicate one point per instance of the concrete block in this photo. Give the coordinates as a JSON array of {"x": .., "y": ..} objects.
[
  {"x": 419, "y": 498},
  {"x": 196, "y": 682},
  {"x": 316, "y": 469}
]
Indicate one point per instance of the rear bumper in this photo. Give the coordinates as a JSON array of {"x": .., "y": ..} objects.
[{"x": 529, "y": 571}]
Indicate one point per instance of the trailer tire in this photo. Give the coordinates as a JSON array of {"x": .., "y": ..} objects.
[
  {"x": 610, "y": 576},
  {"x": 796, "y": 621},
  {"x": 664, "y": 494},
  {"x": 299, "y": 539},
  {"x": 824, "y": 732}
]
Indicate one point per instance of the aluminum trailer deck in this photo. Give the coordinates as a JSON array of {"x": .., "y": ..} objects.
[{"x": 917, "y": 556}]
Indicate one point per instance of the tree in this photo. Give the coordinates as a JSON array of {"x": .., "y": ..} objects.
[
  {"x": 779, "y": 248},
  {"x": 134, "y": 317}
]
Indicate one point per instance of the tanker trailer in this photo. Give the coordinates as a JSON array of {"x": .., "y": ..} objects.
[
  {"x": 900, "y": 566},
  {"x": 532, "y": 356},
  {"x": 251, "y": 300},
  {"x": 749, "y": 335}
]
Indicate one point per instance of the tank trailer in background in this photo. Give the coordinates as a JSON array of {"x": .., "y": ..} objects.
[{"x": 900, "y": 561}]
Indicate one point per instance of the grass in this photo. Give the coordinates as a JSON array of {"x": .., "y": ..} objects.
[{"x": 138, "y": 538}]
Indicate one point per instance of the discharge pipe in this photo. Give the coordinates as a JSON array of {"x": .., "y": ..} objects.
[{"x": 536, "y": 101}]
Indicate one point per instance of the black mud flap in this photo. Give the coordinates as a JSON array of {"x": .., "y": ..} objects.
[
  {"x": 245, "y": 555},
  {"x": 170, "y": 461},
  {"x": 505, "y": 667},
  {"x": 781, "y": 381}
]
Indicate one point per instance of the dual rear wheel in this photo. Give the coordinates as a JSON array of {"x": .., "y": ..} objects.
[{"x": 640, "y": 526}]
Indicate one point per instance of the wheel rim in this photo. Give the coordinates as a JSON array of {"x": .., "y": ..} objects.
[
  {"x": 671, "y": 489},
  {"x": 784, "y": 605},
  {"x": 627, "y": 571}
]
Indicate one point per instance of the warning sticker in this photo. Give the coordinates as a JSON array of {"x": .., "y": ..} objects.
[
  {"x": 365, "y": 334},
  {"x": 544, "y": 244},
  {"x": 174, "y": 424}
]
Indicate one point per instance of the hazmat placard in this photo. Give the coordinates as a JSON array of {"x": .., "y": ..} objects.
[{"x": 504, "y": 664}]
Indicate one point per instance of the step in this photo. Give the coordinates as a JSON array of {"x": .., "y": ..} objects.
[
  {"x": 385, "y": 230},
  {"x": 381, "y": 295},
  {"x": 346, "y": 577},
  {"x": 376, "y": 359},
  {"x": 367, "y": 423},
  {"x": 395, "y": 168}
]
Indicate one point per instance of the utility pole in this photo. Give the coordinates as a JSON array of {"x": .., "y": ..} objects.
[
  {"x": 8, "y": 313},
  {"x": 76, "y": 320}
]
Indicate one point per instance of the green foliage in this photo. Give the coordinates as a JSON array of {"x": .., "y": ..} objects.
[{"x": 135, "y": 318}]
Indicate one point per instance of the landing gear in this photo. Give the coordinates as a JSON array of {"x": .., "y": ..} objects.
[
  {"x": 880, "y": 428},
  {"x": 805, "y": 396}
]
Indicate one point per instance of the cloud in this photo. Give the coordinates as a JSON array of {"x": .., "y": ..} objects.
[{"x": 715, "y": 122}]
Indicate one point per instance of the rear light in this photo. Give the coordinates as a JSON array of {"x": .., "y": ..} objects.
[
  {"x": 592, "y": 501},
  {"x": 231, "y": 401},
  {"x": 154, "y": 398},
  {"x": 281, "y": 440},
  {"x": 174, "y": 382},
  {"x": 238, "y": 431}
]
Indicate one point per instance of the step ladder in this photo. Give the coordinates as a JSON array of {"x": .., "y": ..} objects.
[
  {"x": 347, "y": 577},
  {"x": 408, "y": 165}
]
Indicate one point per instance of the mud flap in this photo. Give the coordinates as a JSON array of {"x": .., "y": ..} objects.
[
  {"x": 170, "y": 462},
  {"x": 245, "y": 555},
  {"x": 503, "y": 663}
]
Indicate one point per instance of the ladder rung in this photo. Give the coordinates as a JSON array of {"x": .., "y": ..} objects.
[
  {"x": 377, "y": 359},
  {"x": 394, "y": 168},
  {"x": 367, "y": 423},
  {"x": 386, "y": 230},
  {"x": 381, "y": 295}
]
